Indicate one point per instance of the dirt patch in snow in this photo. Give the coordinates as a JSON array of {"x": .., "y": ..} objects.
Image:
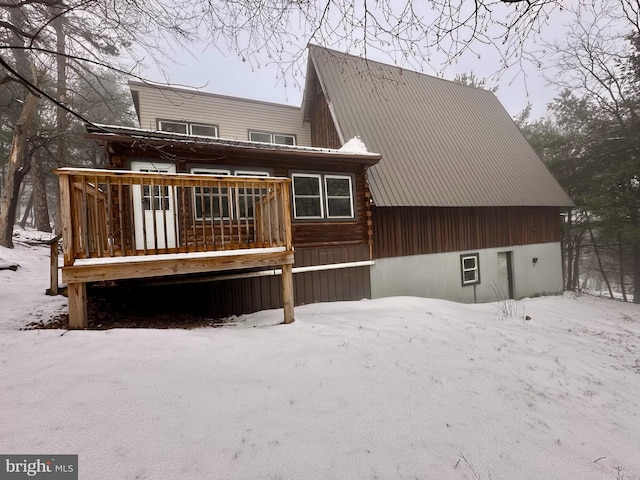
[{"x": 107, "y": 313}]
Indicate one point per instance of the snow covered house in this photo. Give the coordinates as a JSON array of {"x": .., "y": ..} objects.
[
  {"x": 462, "y": 207},
  {"x": 244, "y": 205}
]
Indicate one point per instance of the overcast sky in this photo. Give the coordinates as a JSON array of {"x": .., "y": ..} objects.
[{"x": 212, "y": 71}]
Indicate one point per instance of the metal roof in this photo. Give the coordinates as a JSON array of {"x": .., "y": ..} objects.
[{"x": 442, "y": 143}]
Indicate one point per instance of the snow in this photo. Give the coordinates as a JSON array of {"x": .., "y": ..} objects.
[
  {"x": 396, "y": 388},
  {"x": 355, "y": 145}
]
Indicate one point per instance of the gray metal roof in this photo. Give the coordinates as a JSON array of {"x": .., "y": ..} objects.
[{"x": 442, "y": 143}]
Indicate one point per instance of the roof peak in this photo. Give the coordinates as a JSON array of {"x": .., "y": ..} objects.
[{"x": 383, "y": 65}]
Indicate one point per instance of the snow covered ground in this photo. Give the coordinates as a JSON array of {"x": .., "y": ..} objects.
[{"x": 398, "y": 388}]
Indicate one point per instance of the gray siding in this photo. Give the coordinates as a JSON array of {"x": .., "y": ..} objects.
[
  {"x": 438, "y": 275},
  {"x": 442, "y": 143},
  {"x": 233, "y": 116}
]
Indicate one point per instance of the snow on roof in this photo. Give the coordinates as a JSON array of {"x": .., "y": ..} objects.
[{"x": 355, "y": 145}]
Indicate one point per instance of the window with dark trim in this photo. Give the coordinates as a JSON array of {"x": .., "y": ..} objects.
[
  {"x": 470, "y": 268},
  {"x": 188, "y": 128},
  {"x": 319, "y": 196},
  {"x": 268, "y": 137}
]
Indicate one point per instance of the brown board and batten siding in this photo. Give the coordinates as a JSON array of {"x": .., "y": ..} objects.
[
  {"x": 234, "y": 117},
  {"x": 323, "y": 130},
  {"x": 249, "y": 295},
  {"x": 305, "y": 232},
  {"x": 223, "y": 298},
  {"x": 402, "y": 231}
]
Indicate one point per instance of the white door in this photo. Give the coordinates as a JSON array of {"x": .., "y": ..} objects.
[{"x": 154, "y": 209}]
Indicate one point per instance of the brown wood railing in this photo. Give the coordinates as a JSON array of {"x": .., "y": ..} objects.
[{"x": 114, "y": 213}]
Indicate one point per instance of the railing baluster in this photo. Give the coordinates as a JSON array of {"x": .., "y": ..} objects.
[
  {"x": 152, "y": 189},
  {"x": 108, "y": 220},
  {"x": 84, "y": 246},
  {"x": 192, "y": 194},
  {"x": 277, "y": 207},
  {"x": 246, "y": 211},
  {"x": 252, "y": 197},
  {"x": 95, "y": 221},
  {"x": 238, "y": 220},
  {"x": 210, "y": 198},
  {"x": 269, "y": 214},
  {"x": 184, "y": 206},
  {"x": 221, "y": 212},
  {"x": 177, "y": 214},
  {"x": 121, "y": 216},
  {"x": 144, "y": 214},
  {"x": 203, "y": 214},
  {"x": 131, "y": 209},
  {"x": 164, "y": 205}
]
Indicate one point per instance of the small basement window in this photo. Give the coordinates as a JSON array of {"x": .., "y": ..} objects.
[{"x": 470, "y": 268}]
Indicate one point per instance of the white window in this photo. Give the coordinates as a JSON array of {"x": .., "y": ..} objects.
[
  {"x": 173, "y": 127},
  {"x": 307, "y": 196},
  {"x": 246, "y": 198},
  {"x": 470, "y": 268},
  {"x": 276, "y": 138},
  {"x": 317, "y": 196},
  {"x": 188, "y": 128},
  {"x": 207, "y": 200},
  {"x": 225, "y": 202},
  {"x": 339, "y": 200}
]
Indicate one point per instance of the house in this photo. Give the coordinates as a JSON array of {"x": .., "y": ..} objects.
[
  {"x": 462, "y": 207},
  {"x": 244, "y": 205}
]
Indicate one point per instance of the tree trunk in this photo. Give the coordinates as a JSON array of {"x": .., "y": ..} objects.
[
  {"x": 16, "y": 163},
  {"x": 15, "y": 168},
  {"x": 569, "y": 252},
  {"x": 27, "y": 211},
  {"x": 621, "y": 262},
  {"x": 636, "y": 272},
  {"x": 40, "y": 204},
  {"x": 62, "y": 119},
  {"x": 576, "y": 264},
  {"x": 597, "y": 252}
]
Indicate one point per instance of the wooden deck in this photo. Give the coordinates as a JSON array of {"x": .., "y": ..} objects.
[{"x": 122, "y": 224}]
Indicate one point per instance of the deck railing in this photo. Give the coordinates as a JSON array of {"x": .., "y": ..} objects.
[{"x": 113, "y": 213}]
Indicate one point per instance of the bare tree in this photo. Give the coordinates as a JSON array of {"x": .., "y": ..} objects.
[{"x": 599, "y": 62}]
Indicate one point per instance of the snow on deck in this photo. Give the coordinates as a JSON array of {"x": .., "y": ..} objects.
[{"x": 176, "y": 256}]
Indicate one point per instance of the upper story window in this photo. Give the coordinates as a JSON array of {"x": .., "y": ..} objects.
[
  {"x": 188, "y": 128},
  {"x": 276, "y": 138},
  {"x": 318, "y": 196}
]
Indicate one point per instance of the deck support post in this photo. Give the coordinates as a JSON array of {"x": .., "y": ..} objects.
[
  {"x": 287, "y": 293},
  {"x": 53, "y": 270},
  {"x": 77, "y": 305}
]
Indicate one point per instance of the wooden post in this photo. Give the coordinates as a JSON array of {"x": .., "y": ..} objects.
[
  {"x": 77, "y": 305},
  {"x": 53, "y": 265},
  {"x": 287, "y": 293},
  {"x": 67, "y": 218},
  {"x": 53, "y": 274},
  {"x": 287, "y": 270}
]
